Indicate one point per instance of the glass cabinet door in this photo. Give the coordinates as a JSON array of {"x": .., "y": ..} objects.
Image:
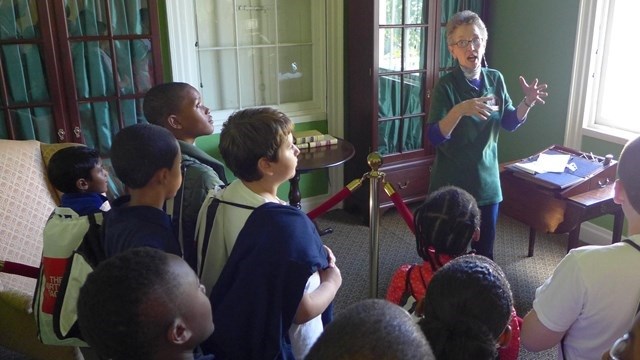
[{"x": 403, "y": 37}]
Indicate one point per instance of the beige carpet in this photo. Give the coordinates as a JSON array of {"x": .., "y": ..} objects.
[{"x": 350, "y": 243}]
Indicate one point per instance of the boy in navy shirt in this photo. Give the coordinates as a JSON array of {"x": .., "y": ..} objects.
[{"x": 146, "y": 158}]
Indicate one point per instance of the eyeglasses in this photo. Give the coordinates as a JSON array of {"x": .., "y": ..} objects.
[
  {"x": 619, "y": 347},
  {"x": 464, "y": 43}
]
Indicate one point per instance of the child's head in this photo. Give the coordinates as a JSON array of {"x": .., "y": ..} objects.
[
  {"x": 447, "y": 222},
  {"x": 77, "y": 169},
  {"x": 142, "y": 302},
  {"x": 629, "y": 173},
  {"x": 143, "y": 152},
  {"x": 467, "y": 309},
  {"x": 256, "y": 135},
  {"x": 178, "y": 107},
  {"x": 371, "y": 329}
]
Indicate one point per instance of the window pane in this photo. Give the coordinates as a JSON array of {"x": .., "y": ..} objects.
[
  {"x": 258, "y": 71},
  {"x": 615, "y": 72},
  {"x": 86, "y": 18},
  {"x": 412, "y": 133},
  {"x": 99, "y": 122},
  {"x": 390, "y": 12},
  {"x": 295, "y": 76},
  {"x": 388, "y": 136},
  {"x": 216, "y": 68},
  {"x": 294, "y": 21},
  {"x": 33, "y": 124},
  {"x": 129, "y": 17},
  {"x": 416, "y": 12},
  {"x": 413, "y": 93},
  {"x": 25, "y": 75},
  {"x": 131, "y": 112},
  {"x": 134, "y": 62},
  {"x": 93, "y": 68},
  {"x": 389, "y": 96},
  {"x": 414, "y": 48},
  {"x": 19, "y": 20},
  {"x": 216, "y": 23},
  {"x": 256, "y": 23},
  {"x": 390, "y": 52}
]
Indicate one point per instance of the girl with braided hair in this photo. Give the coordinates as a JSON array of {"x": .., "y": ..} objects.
[
  {"x": 445, "y": 225},
  {"x": 468, "y": 310}
]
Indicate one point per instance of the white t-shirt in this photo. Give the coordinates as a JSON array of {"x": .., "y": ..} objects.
[
  {"x": 227, "y": 224},
  {"x": 303, "y": 336},
  {"x": 593, "y": 296}
]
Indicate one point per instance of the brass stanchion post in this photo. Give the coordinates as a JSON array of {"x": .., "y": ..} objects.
[{"x": 375, "y": 161}]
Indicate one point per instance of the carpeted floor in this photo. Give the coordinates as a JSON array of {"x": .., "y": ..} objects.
[{"x": 350, "y": 243}]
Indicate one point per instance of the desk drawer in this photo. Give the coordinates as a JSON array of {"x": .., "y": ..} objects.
[{"x": 409, "y": 182}]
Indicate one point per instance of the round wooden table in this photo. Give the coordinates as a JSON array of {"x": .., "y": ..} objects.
[{"x": 322, "y": 157}]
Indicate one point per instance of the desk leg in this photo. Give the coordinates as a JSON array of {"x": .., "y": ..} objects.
[
  {"x": 294, "y": 191},
  {"x": 532, "y": 241},
  {"x": 618, "y": 221},
  {"x": 574, "y": 237}
]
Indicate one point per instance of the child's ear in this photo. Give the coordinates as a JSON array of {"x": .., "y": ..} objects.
[
  {"x": 265, "y": 166},
  {"x": 82, "y": 184},
  {"x": 619, "y": 193},
  {"x": 178, "y": 333},
  {"x": 476, "y": 235},
  {"x": 174, "y": 122},
  {"x": 505, "y": 338}
]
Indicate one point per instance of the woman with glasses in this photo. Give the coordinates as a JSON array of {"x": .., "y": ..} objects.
[{"x": 469, "y": 106}]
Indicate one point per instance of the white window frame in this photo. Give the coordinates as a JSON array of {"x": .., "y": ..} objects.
[
  {"x": 184, "y": 67},
  {"x": 328, "y": 76},
  {"x": 583, "y": 100}
]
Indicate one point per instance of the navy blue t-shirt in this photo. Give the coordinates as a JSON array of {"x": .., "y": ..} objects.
[{"x": 128, "y": 227}]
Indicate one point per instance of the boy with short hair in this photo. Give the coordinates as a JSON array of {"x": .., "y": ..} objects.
[
  {"x": 592, "y": 296},
  {"x": 361, "y": 332},
  {"x": 77, "y": 172},
  {"x": 273, "y": 277},
  {"x": 146, "y": 158},
  {"x": 178, "y": 108},
  {"x": 144, "y": 304}
]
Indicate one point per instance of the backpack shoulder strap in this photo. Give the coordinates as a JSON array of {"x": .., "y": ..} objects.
[{"x": 628, "y": 241}]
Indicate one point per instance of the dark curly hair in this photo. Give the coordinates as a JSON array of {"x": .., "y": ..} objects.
[
  {"x": 446, "y": 222},
  {"x": 140, "y": 150},
  {"x": 124, "y": 304},
  {"x": 70, "y": 164},
  {"x": 164, "y": 100},
  {"x": 466, "y": 309}
]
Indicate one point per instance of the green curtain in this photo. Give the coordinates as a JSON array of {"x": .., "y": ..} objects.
[{"x": 24, "y": 71}]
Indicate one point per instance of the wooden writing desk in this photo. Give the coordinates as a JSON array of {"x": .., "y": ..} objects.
[{"x": 561, "y": 211}]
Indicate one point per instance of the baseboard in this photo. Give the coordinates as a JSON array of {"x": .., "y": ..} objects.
[{"x": 594, "y": 234}]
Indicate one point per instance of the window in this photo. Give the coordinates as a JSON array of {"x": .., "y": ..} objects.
[
  {"x": 75, "y": 70},
  {"x": 264, "y": 53},
  {"x": 601, "y": 73}
]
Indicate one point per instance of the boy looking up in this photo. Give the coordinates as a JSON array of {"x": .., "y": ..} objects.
[
  {"x": 77, "y": 172},
  {"x": 144, "y": 304},
  {"x": 592, "y": 296},
  {"x": 277, "y": 278},
  {"x": 178, "y": 108},
  {"x": 146, "y": 158}
]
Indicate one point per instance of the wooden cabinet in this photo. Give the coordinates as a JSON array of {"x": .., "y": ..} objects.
[
  {"x": 396, "y": 51},
  {"x": 391, "y": 67}
]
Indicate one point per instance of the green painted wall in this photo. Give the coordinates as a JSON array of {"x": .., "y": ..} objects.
[
  {"x": 537, "y": 39},
  {"x": 534, "y": 39},
  {"x": 311, "y": 184}
]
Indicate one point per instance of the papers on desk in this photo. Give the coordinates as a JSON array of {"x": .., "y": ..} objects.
[{"x": 544, "y": 163}]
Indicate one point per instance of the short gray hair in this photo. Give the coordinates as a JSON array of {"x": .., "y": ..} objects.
[{"x": 463, "y": 18}]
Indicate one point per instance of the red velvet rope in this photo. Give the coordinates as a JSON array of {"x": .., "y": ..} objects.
[
  {"x": 325, "y": 206},
  {"x": 20, "y": 269},
  {"x": 403, "y": 210}
]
